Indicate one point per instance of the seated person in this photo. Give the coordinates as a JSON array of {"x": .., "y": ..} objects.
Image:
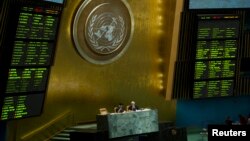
[
  {"x": 248, "y": 120},
  {"x": 133, "y": 106},
  {"x": 120, "y": 108},
  {"x": 242, "y": 120},
  {"x": 228, "y": 121}
]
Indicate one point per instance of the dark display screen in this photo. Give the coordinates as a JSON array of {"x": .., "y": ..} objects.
[
  {"x": 216, "y": 49},
  {"x": 22, "y": 106},
  {"x": 214, "y": 69},
  {"x": 30, "y": 57},
  {"x": 218, "y": 27},
  {"x": 216, "y": 52},
  {"x": 32, "y": 53},
  {"x": 213, "y": 88},
  {"x": 27, "y": 80},
  {"x": 39, "y": 25}
]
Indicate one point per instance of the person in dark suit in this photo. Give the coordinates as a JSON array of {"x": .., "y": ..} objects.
[
  {"x": 120, "y": 108},
  {"x": 228, "y": 121},
  {"x": 242, "y": 119},
  {"x": 248, "y": 119},
  {"x": 132, "y": 106}
]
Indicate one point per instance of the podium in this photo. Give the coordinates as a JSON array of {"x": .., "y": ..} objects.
[{"x": 128, "y": 124}]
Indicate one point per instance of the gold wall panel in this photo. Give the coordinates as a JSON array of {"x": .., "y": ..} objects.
[
  {"x": 77, "y": 88},
  {"x": 174, "y": 46}
]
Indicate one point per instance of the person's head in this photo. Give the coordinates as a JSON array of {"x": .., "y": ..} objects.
[
  {"x": 120, "y": 105},
  {"x": 132, "y": 103}
]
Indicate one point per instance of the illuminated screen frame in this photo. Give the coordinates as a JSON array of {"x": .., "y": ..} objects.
[
  {"x": 22, "y": 106},
  {"x": 39, "y": 94},
  {"x": 211, "y": 89},
  {"x": 203, "y": 87},
  {"x": 44, "y": 13},
  {"x": 55, "y": 1},
  {"x": 218, "y": 4},
  {"x": 27, "y": 80}
]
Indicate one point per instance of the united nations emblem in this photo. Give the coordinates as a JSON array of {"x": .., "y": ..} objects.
[
  {"x": 102, "y": 30},
  {"x": 105, "y": 32}
]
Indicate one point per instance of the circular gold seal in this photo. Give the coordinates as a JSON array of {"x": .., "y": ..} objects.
[{"x": 102, "y": 30}]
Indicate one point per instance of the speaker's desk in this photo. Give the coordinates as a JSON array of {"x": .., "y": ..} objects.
[{"x": 129, "y": 123}]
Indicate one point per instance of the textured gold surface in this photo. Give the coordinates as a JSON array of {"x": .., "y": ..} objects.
[
  {"x": 174, "y": 46},
  {"x": 82, "y": 88}
]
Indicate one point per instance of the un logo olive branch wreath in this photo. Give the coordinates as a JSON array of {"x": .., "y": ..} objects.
[{"x": 94, "y": 41}]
